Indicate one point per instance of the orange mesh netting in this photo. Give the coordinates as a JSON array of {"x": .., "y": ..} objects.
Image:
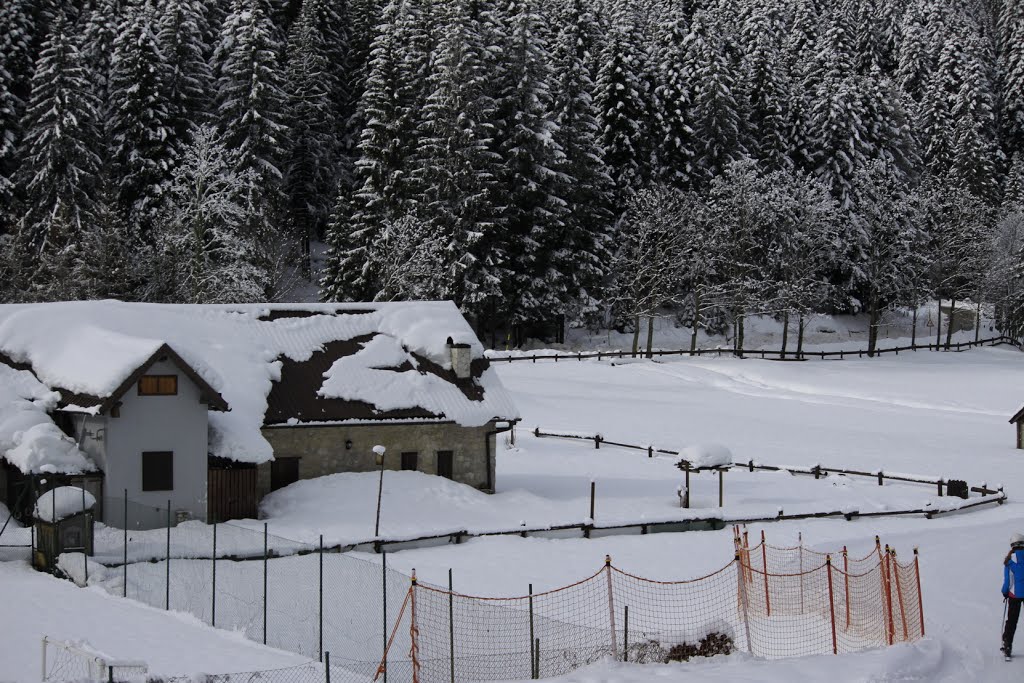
[{"x": 772, "y": 602}]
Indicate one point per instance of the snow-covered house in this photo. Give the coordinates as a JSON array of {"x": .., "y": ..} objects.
[{"x": 211, "y": 407}]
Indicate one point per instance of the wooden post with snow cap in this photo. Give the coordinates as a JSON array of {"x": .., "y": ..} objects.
[{"x": 611, "y": 603}]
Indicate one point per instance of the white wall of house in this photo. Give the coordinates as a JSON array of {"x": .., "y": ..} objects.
[{"x": 177, "y": 424}]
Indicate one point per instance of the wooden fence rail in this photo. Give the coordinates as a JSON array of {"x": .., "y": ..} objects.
[
  {"x": 762, "y": 353},
  {"x": 816, "y": 471}
]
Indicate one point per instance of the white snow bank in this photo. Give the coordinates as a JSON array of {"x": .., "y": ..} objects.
[
  {"x": 74, "y": 565},
  {"x": 92, "y": 347},
  {"x": 61, "y": 502},
  {"x": 29, "y": 439},
  {"x": 707, "y": 455}
]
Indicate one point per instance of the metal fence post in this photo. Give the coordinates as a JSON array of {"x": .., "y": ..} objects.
[
  {"x": 831, "y": 604},
  {"x": 264, "y": 583},
  {"x": 167, "y": 586},
  {"x": 533, "y": 654},
  {"x": 320, "y": 609},
  {"x": 213, "y": 585},
  {"x": 327, "y": 667},
  {"x": 920, "y": 600},
  {"x": 384, "y": 611},
  {"x": 451, "y": 626},
  {"x": 625, "y": 635},
  {"x": 764, "y": 562},
  {"x": 124, "y": 590}
]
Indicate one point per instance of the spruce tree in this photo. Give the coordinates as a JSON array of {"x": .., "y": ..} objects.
[
  {"x": 673, "y": 103},
  {"x": 59, "y": 153},
  {"x": 16, "y": 62},
  {"x": 189, "y": 77},
  {"x": 141, "y": 127}
]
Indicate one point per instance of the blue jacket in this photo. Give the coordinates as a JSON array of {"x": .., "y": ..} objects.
[{"x": 1013, "y": 575}]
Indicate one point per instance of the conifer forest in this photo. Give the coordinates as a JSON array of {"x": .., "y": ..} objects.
[{"x": 590, "y": 162}]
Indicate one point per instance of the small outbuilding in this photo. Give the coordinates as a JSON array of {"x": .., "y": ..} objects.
[
  {"x": 63, "y": 524},
  {"x": 1018, "y": 421}
]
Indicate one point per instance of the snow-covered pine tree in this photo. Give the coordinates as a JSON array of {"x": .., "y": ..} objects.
[
  {"x": 621, "y": 105},
  {"x": 411, "y": 261},
  {"x": 312, "y": 170},
  {"x": 16, "y": 61},
  {"x": 99, "y": 33},
  {"x": 251, "y": 100},
  {"x": 456, "y": 171},
  {"x": 533, "y": 180},
  {"x": 764, "y": 90},
  {"x": 976, "y": 156},
  {"x": 141, "y": 128},
  {"x": 59, "y": 152},
  {"x": 716, "y": 112},
  {"x": 112, "y": 259},
  {"x": 584, "y": 252},
  {"x": 674, "y": 153},
  {"x": 189, "y": 78},
  {"x": 915, "y": 63},
  {"x": 385, "y": 148}
]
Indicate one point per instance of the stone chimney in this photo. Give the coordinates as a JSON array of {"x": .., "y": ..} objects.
[{"x": 462, "y": 355}]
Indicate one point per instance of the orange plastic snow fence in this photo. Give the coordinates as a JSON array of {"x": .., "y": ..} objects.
[{"x": 805, "y": 605}]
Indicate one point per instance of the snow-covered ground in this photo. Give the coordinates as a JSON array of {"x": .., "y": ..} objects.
[{"x": 941, "y": 414}]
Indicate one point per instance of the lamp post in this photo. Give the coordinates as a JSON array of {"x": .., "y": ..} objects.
[{"x": 379, "y": 452}]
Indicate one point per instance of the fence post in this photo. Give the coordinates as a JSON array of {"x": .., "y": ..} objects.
[
  {"x": 213, "y": 584},
  {"x": 264, "y": 583},
  {"x": 167, "y": 586},
  {"x": 451, "y": 625},
  {"x": 721, "y": 488},
  {"x": 742, "y": 583},
  {"x": 625, "y": 636},
  {"x": 320, "y": 595},
  {"x": 327, "y": 666},
  {"x": 894, "y": 568},
  {"x": 880, "y": 477},
  {"x": 611, "y": 602},
  {"x": 686, "y": 497},
  {"x": 536, "y": 658},
  {"x": 846, "y": 584},
  {"x": 890, "y": 626},
  {"x": 533, "y": 653},
  {"x": 124, "y": 591},
  {"x": 940, "y": 487},
  {"x": 831, "y": 604},
  {"x": 800, "y": 544},
  {"x": 764, "y": 562},
  {"x": 85, "y": 556},
  {"x": 920, "y": 600},
  {"x": 593, "y": 496},
  {"x": 384, "y": 611},
  {"x": 414, "y": 650}
]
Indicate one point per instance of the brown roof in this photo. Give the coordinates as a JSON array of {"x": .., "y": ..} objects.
[{"x": 295, "y": 395}]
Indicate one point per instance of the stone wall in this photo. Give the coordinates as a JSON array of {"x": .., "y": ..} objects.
[{"x": 322, "y": 450}]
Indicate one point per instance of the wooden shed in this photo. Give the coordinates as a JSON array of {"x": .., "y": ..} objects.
[
  {"x": 1018, "y": 422},
  {"x": 63, "y": 524}
]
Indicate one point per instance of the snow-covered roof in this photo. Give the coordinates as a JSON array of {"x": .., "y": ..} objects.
[{"x": 316, "y": 362}]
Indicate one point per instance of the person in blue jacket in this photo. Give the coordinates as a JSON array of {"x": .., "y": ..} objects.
[{"x": 1013, "y": 589}]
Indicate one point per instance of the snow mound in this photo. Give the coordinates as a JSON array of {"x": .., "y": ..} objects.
[
  {"x": 29, "y": 439},
  {"x": 61, "y": 502},
  {"x": 707, "y": 455}
]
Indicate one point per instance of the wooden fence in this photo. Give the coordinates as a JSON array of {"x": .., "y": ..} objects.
[{"x": 762, "y": 353}]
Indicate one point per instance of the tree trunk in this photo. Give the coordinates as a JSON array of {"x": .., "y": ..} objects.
[
  {"x": 739, "y": 335},
  {"x": 800, "y": 337},
  {"x": 938, "y": 326},
  {"x": 949, "y": 323},
  {"x": 696, "y": 321},
  {"x": 977, "y": 322},
  {"x": 636, "y": 335},
  {"x": 785, "y": 333},
  {"x": 650, "y": 335},
  {"x": 913, "y": 330},
  {"x": 873, "y": 316}
]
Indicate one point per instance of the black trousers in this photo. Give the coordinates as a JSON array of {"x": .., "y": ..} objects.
[{"x": 1012, "y": 615}]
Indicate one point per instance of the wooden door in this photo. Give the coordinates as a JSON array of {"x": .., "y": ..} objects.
[
  {"x": 283, "y": 471},
  {"x": 231, "y": 494},
  {"x": 410, "y": 461},
  {"x": 445, "y": 465}
]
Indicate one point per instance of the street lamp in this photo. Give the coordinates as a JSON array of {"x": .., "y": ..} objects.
[{"x": 379, "y": 451}]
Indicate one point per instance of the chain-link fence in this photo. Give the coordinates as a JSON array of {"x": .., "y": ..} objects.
[{"x": 378, "y": 623}]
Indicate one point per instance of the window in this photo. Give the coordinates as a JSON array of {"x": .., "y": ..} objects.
[
  {"x": 158, "y": 385},
  {"x": 158, "y": 471},
  {"x": 410, "y": 460},
  {"x": 444, "y": 464}
]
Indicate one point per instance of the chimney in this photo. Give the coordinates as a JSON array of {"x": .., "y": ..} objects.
[{"x": 461, "y": 357}]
